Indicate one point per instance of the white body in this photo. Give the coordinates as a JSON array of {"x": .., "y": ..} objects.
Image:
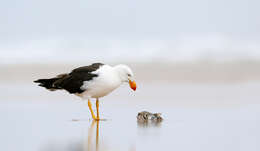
[{"x": 108, "y": 79}]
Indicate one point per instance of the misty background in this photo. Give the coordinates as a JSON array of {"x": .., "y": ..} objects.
[
  {"x": 195, "y": 61},
  {"x": 62, "y": 31}
]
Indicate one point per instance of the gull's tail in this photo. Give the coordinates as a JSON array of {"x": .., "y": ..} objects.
[{"x": 51, "y": 84}]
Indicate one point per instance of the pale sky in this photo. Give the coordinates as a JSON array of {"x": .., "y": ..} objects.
[
  {"x": 40, "y": 23},
  {"x": 134, "y": 17}
]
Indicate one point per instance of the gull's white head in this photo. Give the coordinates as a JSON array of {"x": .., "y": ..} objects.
[{"x": 126, "y": 75}]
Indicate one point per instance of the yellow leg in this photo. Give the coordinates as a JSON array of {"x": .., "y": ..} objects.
[
  {"x": 97, "y": 136},
  {"x": 91, "y": 111},
  {"x": 97, "y": 106}
]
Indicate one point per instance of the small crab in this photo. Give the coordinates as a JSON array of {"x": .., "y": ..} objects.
[{"x": 145, "y": 116}]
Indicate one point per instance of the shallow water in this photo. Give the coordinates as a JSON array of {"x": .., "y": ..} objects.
[{"x": 198, "y": 117}]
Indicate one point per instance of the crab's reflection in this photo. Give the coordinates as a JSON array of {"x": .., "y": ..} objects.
[{"x": 148, "y": 124}]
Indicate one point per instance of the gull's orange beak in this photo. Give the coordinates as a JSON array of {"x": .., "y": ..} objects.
[{"x": 132, "y": 85}]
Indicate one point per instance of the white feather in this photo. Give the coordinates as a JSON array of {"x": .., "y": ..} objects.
[{"x": 107, "y": 80}]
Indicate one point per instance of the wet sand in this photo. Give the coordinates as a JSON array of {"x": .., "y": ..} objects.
[
  {"x": 190, "y": 72},
  {"x": 198, "y": 115}
]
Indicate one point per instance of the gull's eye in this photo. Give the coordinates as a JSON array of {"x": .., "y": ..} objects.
[{"x": 128, "y": 75}]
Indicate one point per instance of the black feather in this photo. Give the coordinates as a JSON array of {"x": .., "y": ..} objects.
[{"x": 71, "y": 82}]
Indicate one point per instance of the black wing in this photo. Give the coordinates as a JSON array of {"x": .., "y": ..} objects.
[
  {"x": 89, "y": 68},
  {"x": 74, "y": 80}
]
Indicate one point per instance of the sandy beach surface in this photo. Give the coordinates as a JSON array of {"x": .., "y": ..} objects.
[{"x": 200, "y": 114}]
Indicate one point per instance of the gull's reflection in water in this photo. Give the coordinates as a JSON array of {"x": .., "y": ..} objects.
[
  {"x": 91, "y": 141},
  {"x": 90, "y": 146}
]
